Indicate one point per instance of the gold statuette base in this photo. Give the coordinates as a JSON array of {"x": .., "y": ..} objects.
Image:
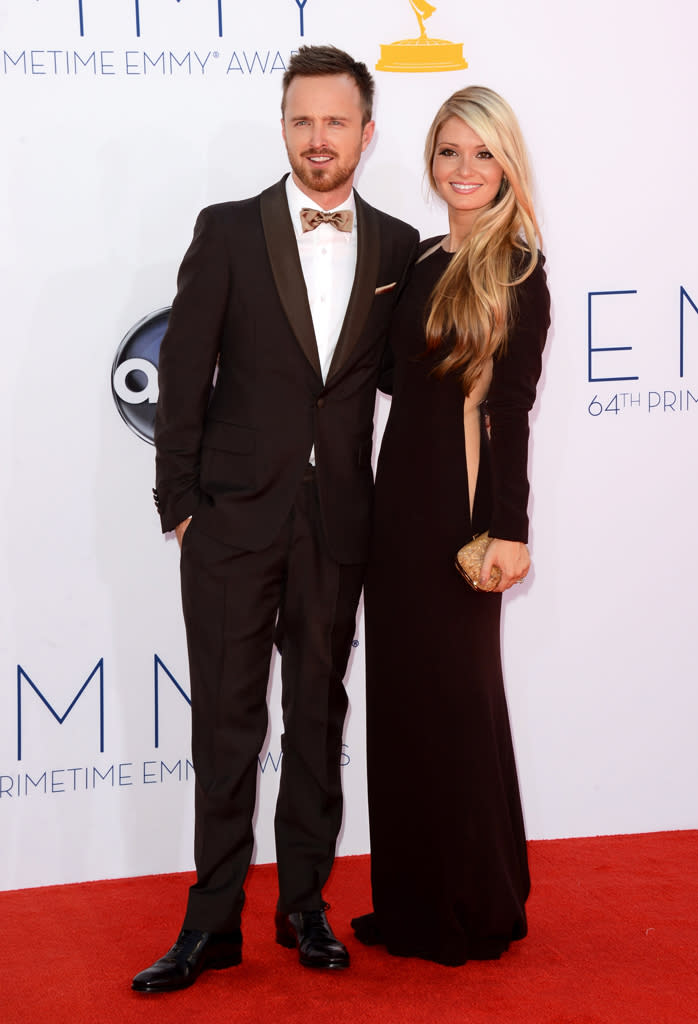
[{"x": 409, "y": 55}]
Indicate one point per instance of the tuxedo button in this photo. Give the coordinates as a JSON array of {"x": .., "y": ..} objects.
[{"x": 320, "y": 403}]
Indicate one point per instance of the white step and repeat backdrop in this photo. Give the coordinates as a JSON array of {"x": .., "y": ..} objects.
[{"x": 120, "y": 120}]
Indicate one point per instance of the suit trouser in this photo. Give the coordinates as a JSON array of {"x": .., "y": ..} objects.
[{"x": 230, "y": 599}]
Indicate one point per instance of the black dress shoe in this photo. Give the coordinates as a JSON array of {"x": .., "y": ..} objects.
[
  {"x": 367, "y": 930},
  {"x": 192, "y": 953},
  {"x": 310, "y": 932}
]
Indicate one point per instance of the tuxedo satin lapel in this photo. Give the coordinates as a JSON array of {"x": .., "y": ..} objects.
[
  {"x": 286, "y": 268},
  {"x": 363, "y": 290}
]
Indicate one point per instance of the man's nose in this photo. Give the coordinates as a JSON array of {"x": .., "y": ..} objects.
[{"x": 318, "y": 135}]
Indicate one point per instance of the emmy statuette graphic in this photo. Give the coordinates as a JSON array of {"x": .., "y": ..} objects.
[{"x": 422, "y": 54}]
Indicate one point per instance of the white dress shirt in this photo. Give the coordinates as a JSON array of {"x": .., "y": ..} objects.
[{"x": 328, "y": 261}]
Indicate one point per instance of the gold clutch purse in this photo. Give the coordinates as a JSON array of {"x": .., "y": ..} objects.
[{"x": 469, "y": 562}]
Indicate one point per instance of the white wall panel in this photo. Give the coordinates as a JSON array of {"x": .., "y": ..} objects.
[{"x": 110, "y": 150}]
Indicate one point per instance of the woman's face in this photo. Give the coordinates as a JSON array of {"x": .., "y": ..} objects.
[{"x": 467, "y": 176}]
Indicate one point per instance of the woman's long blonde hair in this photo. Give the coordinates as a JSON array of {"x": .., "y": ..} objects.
[{"x": 472, "y": 301}]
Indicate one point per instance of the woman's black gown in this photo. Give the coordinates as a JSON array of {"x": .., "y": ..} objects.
[{"x": 448, "y": 851}]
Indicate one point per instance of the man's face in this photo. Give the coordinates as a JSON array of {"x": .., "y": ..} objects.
[{"x": 324, "y": 136}]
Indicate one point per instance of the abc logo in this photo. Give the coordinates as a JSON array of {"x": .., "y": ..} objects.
[{"x": 134, "y": 375}]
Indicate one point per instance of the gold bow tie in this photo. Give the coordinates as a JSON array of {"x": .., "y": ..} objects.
[{"x": 343, "y": 220}]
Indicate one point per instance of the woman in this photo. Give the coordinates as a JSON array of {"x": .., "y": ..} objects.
[{"x": 449, "y": 870}]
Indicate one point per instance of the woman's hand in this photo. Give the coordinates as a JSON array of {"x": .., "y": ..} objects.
[{"x": 513, "y": 559}]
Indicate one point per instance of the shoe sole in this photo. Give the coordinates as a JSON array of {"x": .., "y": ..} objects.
[{"x": 331, "y": 965}]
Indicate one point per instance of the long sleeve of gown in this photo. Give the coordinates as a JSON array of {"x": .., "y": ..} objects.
[{"x": 509, "y": 402}]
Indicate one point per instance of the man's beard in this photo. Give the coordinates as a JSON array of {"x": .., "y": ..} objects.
[{"x": 323, "y": 178}]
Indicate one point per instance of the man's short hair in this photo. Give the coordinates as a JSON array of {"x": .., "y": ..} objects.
[{"x": 328, "y": 60}]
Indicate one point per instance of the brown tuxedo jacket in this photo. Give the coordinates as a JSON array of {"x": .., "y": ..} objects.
[{"x": 234, "y": 456}]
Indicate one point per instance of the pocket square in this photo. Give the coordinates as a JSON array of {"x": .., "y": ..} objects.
[{"x": 385, "y": 288}]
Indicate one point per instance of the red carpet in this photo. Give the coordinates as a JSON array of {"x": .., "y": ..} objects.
[{"x": 613, "y": 925}]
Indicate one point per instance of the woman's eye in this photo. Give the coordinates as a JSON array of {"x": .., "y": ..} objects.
[
  {"x": 447, "y": 152},
  {"x": 485, "y": 154}
]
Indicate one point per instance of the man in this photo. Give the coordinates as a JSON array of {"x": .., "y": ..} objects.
[{"x": 267, "y": 482}]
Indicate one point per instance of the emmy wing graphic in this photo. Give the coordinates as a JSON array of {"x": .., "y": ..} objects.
[{"x": 422, "y": 54}]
